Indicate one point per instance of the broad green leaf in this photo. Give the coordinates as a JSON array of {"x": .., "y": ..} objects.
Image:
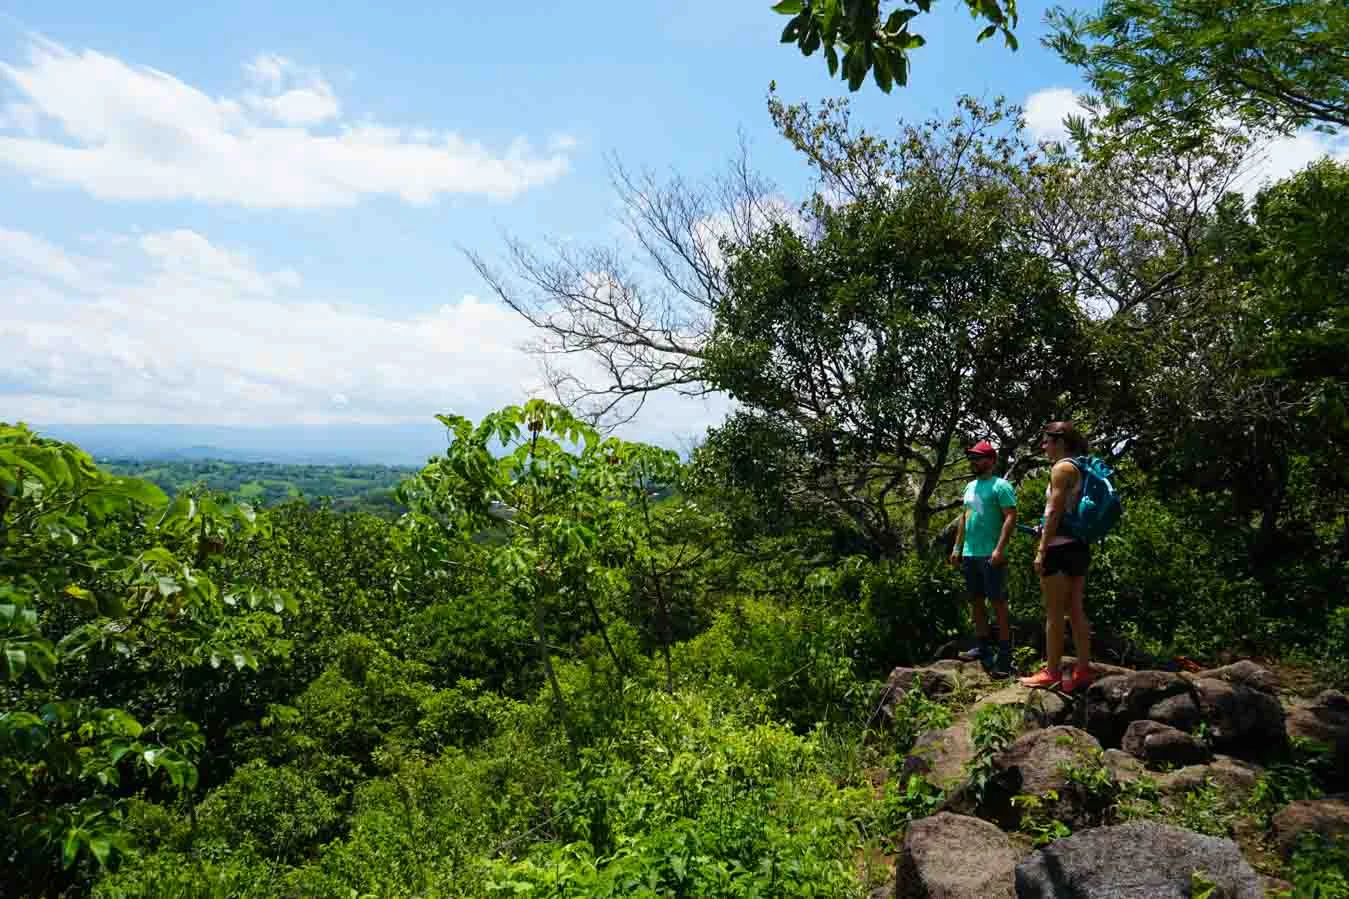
[
  {"x": 788, "y": 7},
  {"x": 70, "y": 848},
  {"x": 101, "y": 848},
  {"x": 136, "y": 490}
]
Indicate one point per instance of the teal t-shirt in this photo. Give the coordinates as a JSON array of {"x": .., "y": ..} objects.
[{"x": 985, "y": 501}]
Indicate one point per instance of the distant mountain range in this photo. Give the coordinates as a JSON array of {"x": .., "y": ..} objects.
[{"x": 402, "y": 444}]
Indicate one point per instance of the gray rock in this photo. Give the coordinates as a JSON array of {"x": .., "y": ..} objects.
[
  {"x": 1328, "y": 817},
  {"x": 1153, "y": 741},
  {"x": 1034, "y": 764},
  {"x": 1045, "y": 709},
  {"x": 1140, "y": 860},
  {"x": 1181, "y": 712},
  {"x": 1246, "y": 673},
  {"x": 955, "y": 857},
  {"x": 1233, "y": 778},
  {"x": 1326, "y": 720},
  {"x": 1242, "y": 720},
  {"x": 1114, "y": 702},
  {"x": 901, "y": 681},
  {"x": 1122, "y": 766},
  {"x": 941, "y": 755}
]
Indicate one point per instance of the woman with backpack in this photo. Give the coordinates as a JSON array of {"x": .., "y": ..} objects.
[{"x": 1061, "y": 561}]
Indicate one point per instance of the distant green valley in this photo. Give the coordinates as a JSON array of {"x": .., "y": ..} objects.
[{"x": 369, "y": 488}]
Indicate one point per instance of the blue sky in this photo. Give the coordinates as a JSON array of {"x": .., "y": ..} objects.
[{"x": 248, "y": 214}]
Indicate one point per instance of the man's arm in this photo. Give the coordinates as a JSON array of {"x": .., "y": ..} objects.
[
  {"x": 958, "y": 548},
  {"x": 999, "y": 556}
]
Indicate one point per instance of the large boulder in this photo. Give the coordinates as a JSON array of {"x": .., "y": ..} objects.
[
  {"x": 1140, "y": 860},
  {"x": 941, "y": 755},
  {"x": 1116, "y": 701},
  {"x": 1036, "y": 764},
  {"x": 955, "y": 857},
  {"x": 1155, "y": 742},
  {"x": 1241, "y": 720},
  {"x": 1326, "y": 720},
  {"x": 1328, "y": 817}
]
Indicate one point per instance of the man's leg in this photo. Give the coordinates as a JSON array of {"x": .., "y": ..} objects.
[
  {"x": 995, "y": 586},
  {"x": 980, "y": 616},
  {"x": 1002, "y": 655},
  {"x": 980, "y": 649},
  {"x": 974, "y": 589},
  {"x": 1004, "y": 620}
]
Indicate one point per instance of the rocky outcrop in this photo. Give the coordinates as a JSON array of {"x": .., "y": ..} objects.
[
  {"x": 1237, "y": 707},
  {"x": 1167, "y": 727},
  {"x": 1141, "y": 860},
  {"x": 955, "y": 857},
  {"x": 1155, "y": 742},
  {"x": 1328, "y": 817}
]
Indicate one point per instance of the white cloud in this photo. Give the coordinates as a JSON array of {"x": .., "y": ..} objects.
[
  {"x": 1045, "y": 111},
  {"x": 1271, "y": 160},
  {"x": 1280, "y": 157},
  {"x": 21, "y": 117},
  {"x": 168, "y": 327},
  {"x": 290, "y": 94},
  {"x": 128, "y": 132}
]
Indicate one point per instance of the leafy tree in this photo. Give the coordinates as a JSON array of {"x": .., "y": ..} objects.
[
  {"x": 867, "y": 344},
  {"x": 1260, "y": 373},
  {"x": 1177, "y": 65},
  {"x": 557, "y": 492},
  {"x": 103, "y": 593},
  {"x": 871, "y": 41}
]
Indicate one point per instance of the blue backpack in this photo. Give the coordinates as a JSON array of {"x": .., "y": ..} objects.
[{"x": 1099, "y": 508}]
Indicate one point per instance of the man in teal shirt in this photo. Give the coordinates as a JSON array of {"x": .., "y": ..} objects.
[{"x": 986, "y": 523}]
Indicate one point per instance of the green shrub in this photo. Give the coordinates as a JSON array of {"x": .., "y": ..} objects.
[
  {"x": 278, "y": 813},
  {"x": 181, "y": 875},
  {"x": 1320, "y": 868}
]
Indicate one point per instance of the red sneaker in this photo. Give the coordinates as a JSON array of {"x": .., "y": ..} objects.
[
  {"x": 1078, "y": 680},
  {"x": 1042, "y": 678}
]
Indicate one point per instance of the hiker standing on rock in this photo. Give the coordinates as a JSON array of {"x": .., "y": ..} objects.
[
  {"x": 1061, "y": 561},
  {"x": 986, "y": 523}
]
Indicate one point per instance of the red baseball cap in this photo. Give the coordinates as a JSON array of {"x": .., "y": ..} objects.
[{"x": 982, "y": 448}]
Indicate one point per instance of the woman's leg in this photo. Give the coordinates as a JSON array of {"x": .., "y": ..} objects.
[
  {"x": 1081, "y": 627},
  {"x": 1056, "y": 589}
]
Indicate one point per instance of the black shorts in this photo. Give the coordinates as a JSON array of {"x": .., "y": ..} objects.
[{"x": 1071, "y": 559}]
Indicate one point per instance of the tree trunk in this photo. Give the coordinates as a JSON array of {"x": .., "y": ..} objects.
[{"x": 547, "y": 660}]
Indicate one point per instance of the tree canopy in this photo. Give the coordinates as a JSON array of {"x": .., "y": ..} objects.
[{"x": 1177, "y": 65}]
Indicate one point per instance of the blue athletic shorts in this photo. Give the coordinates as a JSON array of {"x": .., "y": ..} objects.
[{"x": 983, "y": 578}]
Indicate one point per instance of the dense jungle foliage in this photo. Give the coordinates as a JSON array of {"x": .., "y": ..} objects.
[{"x": 580, "y": 666}]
